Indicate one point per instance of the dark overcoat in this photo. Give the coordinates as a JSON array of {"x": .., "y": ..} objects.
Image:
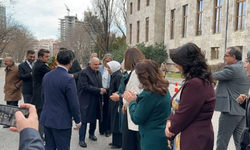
[
  {"x": 38, "y": 71},
  {"x": 24, "y": 73},
  {"x": 114, "y": 115},
  {"x": 90, "y": 84},
  {"x": 75, "y": 70}
]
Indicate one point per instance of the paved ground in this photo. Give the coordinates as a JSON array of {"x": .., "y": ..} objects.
[{"x": 10, "y": 140}]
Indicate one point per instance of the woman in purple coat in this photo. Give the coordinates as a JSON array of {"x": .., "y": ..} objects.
[{"x": 190, "y": 124}]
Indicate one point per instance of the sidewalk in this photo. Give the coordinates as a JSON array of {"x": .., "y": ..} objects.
[{"x": 174, "y": 80}]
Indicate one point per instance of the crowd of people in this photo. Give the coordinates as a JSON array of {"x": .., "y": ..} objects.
[{"x": 131, "y": 100}]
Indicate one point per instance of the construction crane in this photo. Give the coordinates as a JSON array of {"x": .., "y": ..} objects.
[{"x": 67, "y": 9}]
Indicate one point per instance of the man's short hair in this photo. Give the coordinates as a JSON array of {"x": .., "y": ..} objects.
[
  {"x": 236, "y": 52},
  {"x": 42, "y": 51},
  {"x": 30, "y": 52},
  {"x": 65, "y": 56},
  {"x": 93, "y": 58}
]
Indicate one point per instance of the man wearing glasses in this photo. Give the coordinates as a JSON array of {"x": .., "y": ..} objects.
[{"x": 233, "y": 81}]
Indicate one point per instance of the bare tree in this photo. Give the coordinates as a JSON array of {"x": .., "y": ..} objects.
[
  {"x": 8, "y": 33},
  {"x": 99, "y": 24},
  {"x": 79, "y": 41},
  {"x": 121, "y": 16},
  {"x": 22, "y": 41}
]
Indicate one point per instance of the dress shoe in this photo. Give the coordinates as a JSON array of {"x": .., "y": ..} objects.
[
  {"x": 101, "y": 133},
  {"x": 115, "y": 147},
  {"x": 93, "y": 137},
  {"x": 107, "y": 134},
  {"x": 5, "y": 126},
  {"x": 83, "y": 144},
  {"x": 110, "y": 144}
]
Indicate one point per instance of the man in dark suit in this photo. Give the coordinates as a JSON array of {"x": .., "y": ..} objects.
[
  {"x": 60, "y": 104},
  {"x": 75, "y": 69},
  {"x": 233, "y": 81},
  {"x": 90, "y": 91},
  {"x": 25, "y": 74},
  {"x": 27, "y": 127},
  {"x": 38, "y": 71}
]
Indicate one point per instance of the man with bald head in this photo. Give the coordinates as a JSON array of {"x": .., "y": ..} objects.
[
  {"x": 12, "y": 86},
  {"x": 90, "y": 97},
  {"x": 94, "y": 55}
]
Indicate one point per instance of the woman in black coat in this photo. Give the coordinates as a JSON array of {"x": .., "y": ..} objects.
[{"x": 116, "y": 75}]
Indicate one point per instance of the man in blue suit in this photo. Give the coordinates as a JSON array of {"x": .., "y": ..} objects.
[{"x": 60, "y": 104}]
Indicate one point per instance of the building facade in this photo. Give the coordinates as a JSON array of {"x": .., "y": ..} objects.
[
  {"x": 2, "y": 17},
  {"x": 145, "y": 21},
  {"x": 213, "y": 25}
]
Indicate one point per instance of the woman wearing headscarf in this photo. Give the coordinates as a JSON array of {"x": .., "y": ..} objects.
[{"x": 116, "y": 75}]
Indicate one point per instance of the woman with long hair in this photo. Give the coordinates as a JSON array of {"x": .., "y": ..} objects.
[
  {"x": 152, "y": 107},
  {"x": 190, "y": 123}
]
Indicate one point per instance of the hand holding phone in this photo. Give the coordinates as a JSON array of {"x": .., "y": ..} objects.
[{"x": 22, "y": 122}]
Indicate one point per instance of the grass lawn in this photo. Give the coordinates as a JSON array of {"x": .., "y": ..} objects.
[{"x": 174, "y": 75}]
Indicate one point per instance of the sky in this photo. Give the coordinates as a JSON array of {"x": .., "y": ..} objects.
[{"x": 42, "y": 16}]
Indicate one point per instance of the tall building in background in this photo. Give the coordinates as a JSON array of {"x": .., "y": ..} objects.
[
  {"x": 2, "y": 17},
  {"x": 67, "y": 25}
]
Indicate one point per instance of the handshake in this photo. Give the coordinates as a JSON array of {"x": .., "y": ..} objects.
[{"x": 103, "y": 91}]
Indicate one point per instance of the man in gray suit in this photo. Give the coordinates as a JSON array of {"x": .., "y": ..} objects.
[{"x": 233, "y": 81}]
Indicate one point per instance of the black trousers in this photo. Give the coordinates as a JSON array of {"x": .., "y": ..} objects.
[
  {"x": 117, "y": 139},
  {"x": 130, "y": 139},
  {"x": 27, "y": 98},
  {"x": 40, "y": 127},
  {"x": 104, "y": 126},
  {"x": 57, "y": 139},
  {"x": 83, "y": 128}
]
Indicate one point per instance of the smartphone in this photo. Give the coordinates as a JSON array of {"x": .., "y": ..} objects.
[{"x": 7, "y": 114}]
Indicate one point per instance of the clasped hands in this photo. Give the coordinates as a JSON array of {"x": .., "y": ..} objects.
[
  {"x": 129, "y": 96},
  {"x": 168, "y": 133}
]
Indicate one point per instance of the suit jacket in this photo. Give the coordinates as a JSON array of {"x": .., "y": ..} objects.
[
  {"x": 30, "y": 139},
  {"x": 24, "y": 73},
  {"x": 194, "y": 115},
  {"x": 150, "y": 111},
  {"x": 60, "y": 102},
  {"x": 75, "y": 70},
  {"x": 38, "y": 71},
  {"x": 233, "y": 81},
  {"x": 90, "y": 84},
  {"x": 13, "y": 84}
]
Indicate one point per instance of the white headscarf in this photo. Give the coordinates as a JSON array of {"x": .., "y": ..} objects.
[{"x": 114, "y": 66}]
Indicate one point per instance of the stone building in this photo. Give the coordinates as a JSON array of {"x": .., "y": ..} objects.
[
  {"x": 145, "y": 21},
  {"x": 213, "y": 25}
]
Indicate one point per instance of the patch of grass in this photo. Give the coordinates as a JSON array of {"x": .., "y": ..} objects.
[{"x": 174, "y": 75}]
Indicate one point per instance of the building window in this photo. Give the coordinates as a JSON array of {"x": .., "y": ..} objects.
[
  {"x": 214, "y": 53},
  {"x": 240, "y": 48},
  {"x": 185, "y": 20},
  {"x": 131, "y": 8},
  {"x": 147, "y": 4},
  {"x": 138, "y": 32},
  {"x": 172, "y": 24},
  {"x": 200, "y": 17},
  {"x": 147, "y": 29},
  {"x": 139, "y": 5},
  {"x": 130, "y": 33},
  {"x": 241, "y": 13},
  {"x": 218, "y": 12}
]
